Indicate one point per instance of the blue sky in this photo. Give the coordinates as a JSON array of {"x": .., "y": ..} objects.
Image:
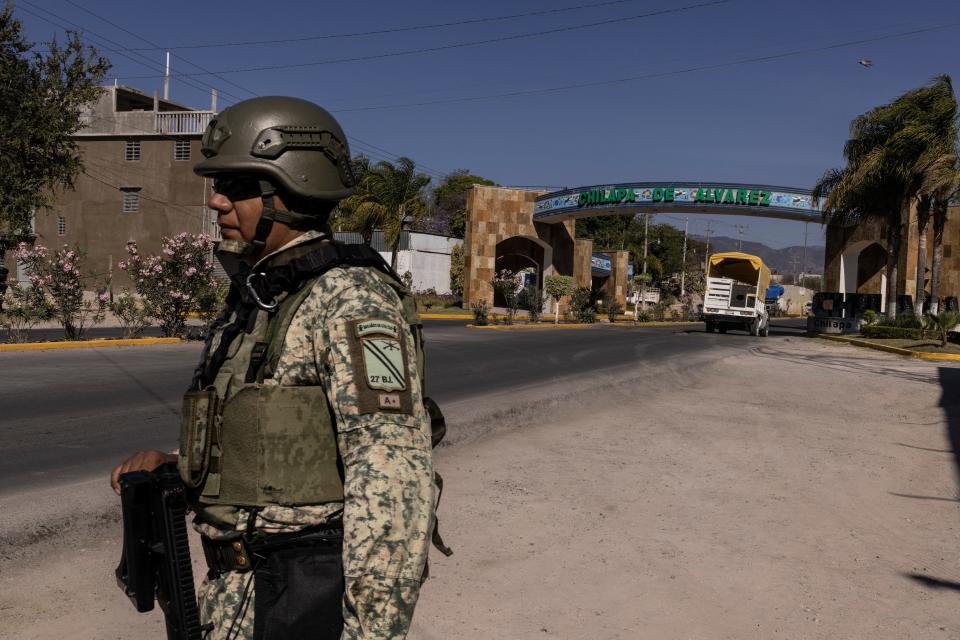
[{"x": 780, "y": 121}]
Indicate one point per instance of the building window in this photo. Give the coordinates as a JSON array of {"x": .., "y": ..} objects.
[
  {"x": 181, "y": 150},
  {"x": 131, "y": 199},
  {"x": 61, "y": 226},
  {"x": 133, "y": 150}
]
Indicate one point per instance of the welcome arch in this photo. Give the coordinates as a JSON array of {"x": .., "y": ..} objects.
[{"x": 497, "y": 214}]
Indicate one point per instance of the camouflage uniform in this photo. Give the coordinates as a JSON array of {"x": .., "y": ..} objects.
[{"x": 388, "y": 470}]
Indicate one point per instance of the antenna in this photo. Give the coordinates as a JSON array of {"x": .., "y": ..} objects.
[{"x": 166, "y": 79}]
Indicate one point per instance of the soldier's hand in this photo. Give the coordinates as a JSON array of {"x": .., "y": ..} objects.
[{"x": 140, "y": 461}]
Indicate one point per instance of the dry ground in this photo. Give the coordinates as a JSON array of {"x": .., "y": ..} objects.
[{"x": 800, "y": 490}]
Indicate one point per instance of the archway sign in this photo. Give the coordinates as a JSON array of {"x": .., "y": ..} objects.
[{"x": 763, "y": 201}]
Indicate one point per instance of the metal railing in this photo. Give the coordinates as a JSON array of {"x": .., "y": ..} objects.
[{"x": 183, "y": 121}]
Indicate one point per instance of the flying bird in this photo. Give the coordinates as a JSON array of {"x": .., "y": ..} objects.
[{"x": 864, "y": 62}]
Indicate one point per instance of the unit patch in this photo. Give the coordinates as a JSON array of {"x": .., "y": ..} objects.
[
  {"x": 383, "y": 361},
  {"x": 380, "y": 363}
]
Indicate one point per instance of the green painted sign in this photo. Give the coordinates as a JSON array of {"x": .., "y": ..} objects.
[
  {"x": 714, "y": 195},
  {"x": 606, "y": 196},
  {"x": 726, "y": 195}
]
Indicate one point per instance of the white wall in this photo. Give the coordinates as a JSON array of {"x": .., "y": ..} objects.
[{"x": 428, "y": 259}]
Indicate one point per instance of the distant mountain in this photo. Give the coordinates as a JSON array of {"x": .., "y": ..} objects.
[{"x": 779, "y": 260}]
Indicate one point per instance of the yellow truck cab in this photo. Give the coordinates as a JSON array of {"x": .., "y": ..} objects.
[{"x": 736, "y": 284}]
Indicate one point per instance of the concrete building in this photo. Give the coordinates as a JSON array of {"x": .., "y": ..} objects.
[{"x": 138, "y": 182}]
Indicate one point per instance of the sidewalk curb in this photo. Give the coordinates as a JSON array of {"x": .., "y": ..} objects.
[
  {"x": 656, "y": 323},
  {"x": 921, "y": 355},
  {"x": 533, "y": 327},
  {"x": 447, "y": 316},
  {"x": 81, "y": 344}
]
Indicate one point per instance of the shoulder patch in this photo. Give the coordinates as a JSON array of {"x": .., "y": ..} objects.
[
  {"x": 377, "y": 327},
  {"x": 381, "y": 366},
  {"x": 384, "y": 364}
]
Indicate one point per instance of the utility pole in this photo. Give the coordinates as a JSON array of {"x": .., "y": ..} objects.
[
  {"x": 803, "y": 265},
  {"x": 796, "y": 271},
  {"x": 646, "y": 222},
  {"x": 740, "y": 229},
  {"x": 706, "y": 259},
  {"x": 683, "y": 261}
]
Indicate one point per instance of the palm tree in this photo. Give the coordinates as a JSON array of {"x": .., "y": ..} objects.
[
  {"x": 927, "y": 138},
  {"x": 889, "y": 154},
  {"x": 942, "y": 182},
  {"x": 387, "y": 197}
]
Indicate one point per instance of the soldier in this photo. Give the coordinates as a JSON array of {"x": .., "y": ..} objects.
[{"x": 305, "y": 442}]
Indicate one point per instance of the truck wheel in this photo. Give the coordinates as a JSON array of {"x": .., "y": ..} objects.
[
  {"x": 755, "y": 327},
  {"x": 766, "y": 330},
  {"x": 722, "y": 328},
  {"x": 711, "y": 327}
]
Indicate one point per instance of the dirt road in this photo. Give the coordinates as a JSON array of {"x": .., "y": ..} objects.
[{"x": 802, "y": 490}]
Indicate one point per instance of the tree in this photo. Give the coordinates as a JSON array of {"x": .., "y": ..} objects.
[
  {"x": 558, "y": 287},
  {"x": 449, "y": 214},
  {"x": 42, "y": 94},
  {"x": 943, "y": 183},
  {"x": 387, "y": 197},
  {"x": 456, "y": 270}
]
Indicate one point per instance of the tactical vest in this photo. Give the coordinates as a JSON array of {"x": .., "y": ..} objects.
[{"x": 246, "y": 441}]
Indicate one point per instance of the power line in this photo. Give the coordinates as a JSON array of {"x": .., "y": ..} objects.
[
  {"x": 96, "y": 38},
  {"x": 355, "y": 34},
  {"x": 127, "y": 31},
  {"x": 436, "y": 173},
  {"x": 461, "y": 45},
  {"x": 659, "y": 74}
]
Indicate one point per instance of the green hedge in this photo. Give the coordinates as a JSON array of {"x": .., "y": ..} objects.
[{"x": 876, "y": 331}]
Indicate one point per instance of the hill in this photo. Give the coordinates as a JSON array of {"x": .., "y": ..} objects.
[{"x": 779, "y": 260}]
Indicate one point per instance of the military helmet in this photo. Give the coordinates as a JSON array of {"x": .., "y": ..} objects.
[{"x": 294, "y": 143}]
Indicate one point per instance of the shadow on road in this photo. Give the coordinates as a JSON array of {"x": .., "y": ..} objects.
[
  {"x": 950, "y": 402},
  {"x": 933, "y": 583}
]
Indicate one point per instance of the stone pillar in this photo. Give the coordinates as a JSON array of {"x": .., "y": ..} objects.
[
  {"x": 617, "y": 285},
  {"x": 582, "y": 265}
]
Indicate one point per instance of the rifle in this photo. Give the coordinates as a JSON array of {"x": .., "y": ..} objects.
[{"x": 155, "y": 563}]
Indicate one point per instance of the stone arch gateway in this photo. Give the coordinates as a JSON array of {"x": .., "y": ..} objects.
[{"x": 547, "y": 220}]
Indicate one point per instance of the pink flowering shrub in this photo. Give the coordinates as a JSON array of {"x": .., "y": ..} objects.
[
  {"x": 175, "y": 283},
  {"x": 23, "y": 308},
  {"x": 57, "y": 280}
]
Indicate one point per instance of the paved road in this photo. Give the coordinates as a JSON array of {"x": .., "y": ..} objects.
[{"x": 69, "y": 415}]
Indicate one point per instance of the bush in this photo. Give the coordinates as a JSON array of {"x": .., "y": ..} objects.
[
  {"x": 58, "y": 280},
  {"x": 430, "y": 299},
  {"x": 531, "y": 299},
  {"x": 505, "y": 283},
  {"x": 643, "y": 316},
  {"x": 885, "y": 331},
  {"x": 869, "y": 317},
  {"x": 175, "y": 283},
  {"x": 660, "y": 311},
  {"x": 23, "y": 309},
  {"x": 480, "y": 312},
  {"x": 612, "y": 307},
  {"x": 131, "y": 312},
  {"x": 581, "y": 305}
]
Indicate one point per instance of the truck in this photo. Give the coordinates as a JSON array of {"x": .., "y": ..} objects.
[{"x": 735, "y": 295}]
